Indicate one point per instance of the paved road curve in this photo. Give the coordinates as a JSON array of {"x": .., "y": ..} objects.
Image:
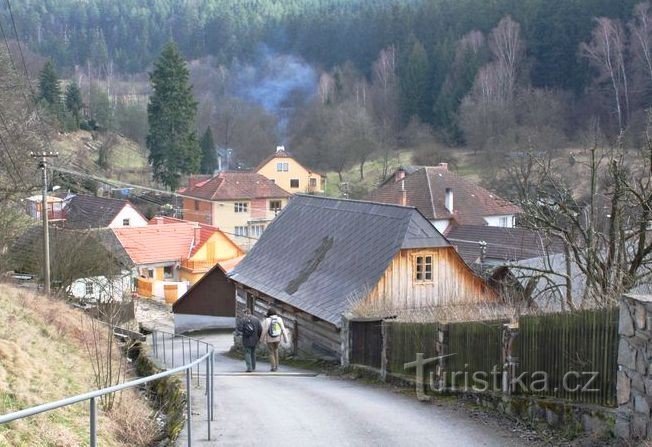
[{"x": 254, "y": 410}]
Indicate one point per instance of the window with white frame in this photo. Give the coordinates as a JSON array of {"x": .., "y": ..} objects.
[
  {"x": 282, "y": 167},
  {"x": 241, "y": 231},
  {"x": 257, "y": 230},
  {"x": 504, "y": 221},
  {"x": 423, "y": 268},
  {"x": 241, "y": 207},
  {"x": 89, "y": 288}
]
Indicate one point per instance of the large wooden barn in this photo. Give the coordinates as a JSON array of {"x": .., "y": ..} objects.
[{"x": 321, "y": 257}]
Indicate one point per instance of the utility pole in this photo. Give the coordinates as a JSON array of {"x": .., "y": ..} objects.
[{"x": 43, "y": 165}]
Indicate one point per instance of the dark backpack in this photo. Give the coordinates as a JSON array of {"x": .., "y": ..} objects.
[{"x": 248, "y": 328}]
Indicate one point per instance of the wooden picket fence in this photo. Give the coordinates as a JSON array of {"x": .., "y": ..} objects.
[
  {"x": 571, "y": 349},
  {"x": 575, "y": 352}
]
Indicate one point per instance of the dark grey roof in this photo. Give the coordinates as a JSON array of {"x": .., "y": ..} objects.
[
  {"x": 319, "y": 254},
  {"x": 503, "y": 244},
  {"x": 84, "y": 212}
]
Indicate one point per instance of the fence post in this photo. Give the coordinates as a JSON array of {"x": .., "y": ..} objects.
[
  {"x": 208, "y": 397},
  {"x": 174, "y": 337},
  {"x": 212, "y": 385},
  {"x": 93, "y": 422},
  {"x": 384, "y": 335},
  {"x": 510, "y": 332},
  {"x": 345, "y": 337},
  {"x": 188, "y": 407}
]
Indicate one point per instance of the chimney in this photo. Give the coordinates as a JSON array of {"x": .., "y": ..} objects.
[
  {"x": 448, "y": 201},
  {"x": 443, "y": 165},
  {"x": 403, "y": 193},
  {"x": 399, "y": 175},
  {"x": 280, "y": 149}
]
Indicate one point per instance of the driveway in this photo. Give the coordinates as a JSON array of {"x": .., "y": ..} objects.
[{"x": 300, "y": 408}]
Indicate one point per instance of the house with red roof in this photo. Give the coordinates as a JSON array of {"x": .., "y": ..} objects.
[
  {"x": 445, "y": 198},
  {"x": 171, "y": 254},
  {"x": 240, "y": 203}
]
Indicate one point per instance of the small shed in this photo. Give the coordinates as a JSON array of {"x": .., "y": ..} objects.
[{"x": 209, "y": 303}]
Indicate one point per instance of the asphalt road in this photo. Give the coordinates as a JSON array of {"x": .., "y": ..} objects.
[{"x": 316, "y": 410}]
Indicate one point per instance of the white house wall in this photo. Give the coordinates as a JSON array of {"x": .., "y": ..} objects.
[
  {"x": 441, "y": 224},
  {"x": 128, "y": 212},
  {"x": 104, "y": 289},
  {"x": 494, "y": 221}
]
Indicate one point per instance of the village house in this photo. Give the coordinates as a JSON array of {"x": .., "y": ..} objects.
[
  {"x": 323, "y": 257},
  {"x": 445, "y": 198},
  {"x": 86, "y": 211},
  {"x": 209, "y": 303},
  {"x": 289, "y": 174},
  {"x": 171, "y": 254},
  {"x": 54, "y": 205},
  {"x": 240, "y": 203}
]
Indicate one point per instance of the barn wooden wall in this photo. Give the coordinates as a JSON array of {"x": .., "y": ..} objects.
[
  {"x": 311, "y": 337},
  {"x": 453, "y": 282}
]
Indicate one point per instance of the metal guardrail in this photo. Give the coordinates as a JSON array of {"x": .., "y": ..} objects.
[{"x": 158, "y": 342}]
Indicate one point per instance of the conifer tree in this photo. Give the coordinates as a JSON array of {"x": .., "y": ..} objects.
[
  {"x": 49, "y": 89},
  {"x": 172, "y": 142},
  {"x": 208, "y": 156},
  {"x": 74, "y": 101},
  {"x": 414, "y": 82}
]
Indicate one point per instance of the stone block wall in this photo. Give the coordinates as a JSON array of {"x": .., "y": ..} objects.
[{"x": 634, "y": 376}]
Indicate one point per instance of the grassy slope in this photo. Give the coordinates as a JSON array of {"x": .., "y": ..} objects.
[
  {"x": 127, "y": 160},
  {"x": 43, "y": 358}
]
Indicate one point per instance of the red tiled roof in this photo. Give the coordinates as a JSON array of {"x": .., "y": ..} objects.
[
  {"x": 426, "y": 190},
  {"x": 156, "y": 243},
  {"x": 205, "y": 230},
  {"x": 233, "y": 185}
]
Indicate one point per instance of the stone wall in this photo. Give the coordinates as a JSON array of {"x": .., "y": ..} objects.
[{"x": 634, "y": 377}]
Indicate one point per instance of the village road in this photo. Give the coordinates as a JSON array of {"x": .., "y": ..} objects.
[{"x": 317, "y": 410}]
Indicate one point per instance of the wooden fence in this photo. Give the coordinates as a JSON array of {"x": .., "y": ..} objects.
[
  {"x": 404, "y": 340},
  {"x": 574, "y": 351},
  {"x": 475, "y": 346},
  {"x": 570, "y": 356}
]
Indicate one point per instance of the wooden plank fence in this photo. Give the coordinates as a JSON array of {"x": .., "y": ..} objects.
[
  {"x": 405, "y": 340},
  {"x": 475, "y": 346},
  {"x": 566, "y": 344},
  {"x": 366, "y": 343}
]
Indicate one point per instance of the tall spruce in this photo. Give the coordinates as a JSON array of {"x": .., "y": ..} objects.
[
  {"x": 208, "y": 155},
  {"x": 413, "y": 76},
  {"x": 74, "y": 101},
  {"x": 172, "y": 142},
  {"x": 49, "y": 88}
]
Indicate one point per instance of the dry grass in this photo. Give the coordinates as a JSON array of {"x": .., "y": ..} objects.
[{"x": 43, "y": 358}]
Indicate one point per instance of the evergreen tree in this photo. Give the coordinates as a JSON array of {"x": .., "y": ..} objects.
[
  {"x": 49, "y": 89},
  {"x": 208, "y": 155},
  {"x": 413, "y": 83},
  {"x": 172, "y": 143},
  {"x": 74, "y": 101}
]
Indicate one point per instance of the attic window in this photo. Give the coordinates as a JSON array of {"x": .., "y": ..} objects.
[
  {"x": 125, "y": 222},
  {"x": 423, "y": 268},
  {"x": 282, "y": 167},
  {"x": 240, "y": 207}
]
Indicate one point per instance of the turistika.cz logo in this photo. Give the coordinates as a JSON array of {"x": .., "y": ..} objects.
[{"x": 494, "y": 380}]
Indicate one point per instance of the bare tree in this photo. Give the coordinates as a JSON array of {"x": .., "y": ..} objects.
[
  {"x": 384, "y": 103},
  {"x": 508, "y": 50},
  {"x": 606, "y": 52},
  {"x": 641, "y": 31},
  {"x": 604, "y": 229}
]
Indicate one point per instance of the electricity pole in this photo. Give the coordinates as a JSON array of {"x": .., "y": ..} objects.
[{"x": 43, "y": 165}]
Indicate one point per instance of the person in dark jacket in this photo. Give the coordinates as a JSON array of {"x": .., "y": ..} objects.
[{"x": 251, "y": 329}]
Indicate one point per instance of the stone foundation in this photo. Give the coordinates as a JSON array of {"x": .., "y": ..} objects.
[{"x": 634, "y": 376}]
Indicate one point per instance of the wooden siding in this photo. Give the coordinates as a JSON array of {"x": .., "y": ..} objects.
[
  {"x": 310, "y": 336},
  {"x": 452, "y": 282},
  {"x": 213, "y": 296}
]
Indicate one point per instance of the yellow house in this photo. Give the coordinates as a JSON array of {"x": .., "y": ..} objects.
[
  {"x": 172, "y": 254},
  {"x": 290, "y": 175},
  {"x": 240, "y": 203}
]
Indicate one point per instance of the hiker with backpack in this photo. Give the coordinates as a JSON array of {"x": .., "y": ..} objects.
[
  {"x": 251, "y": 329},
  {"x": 273, "y": 332}
]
